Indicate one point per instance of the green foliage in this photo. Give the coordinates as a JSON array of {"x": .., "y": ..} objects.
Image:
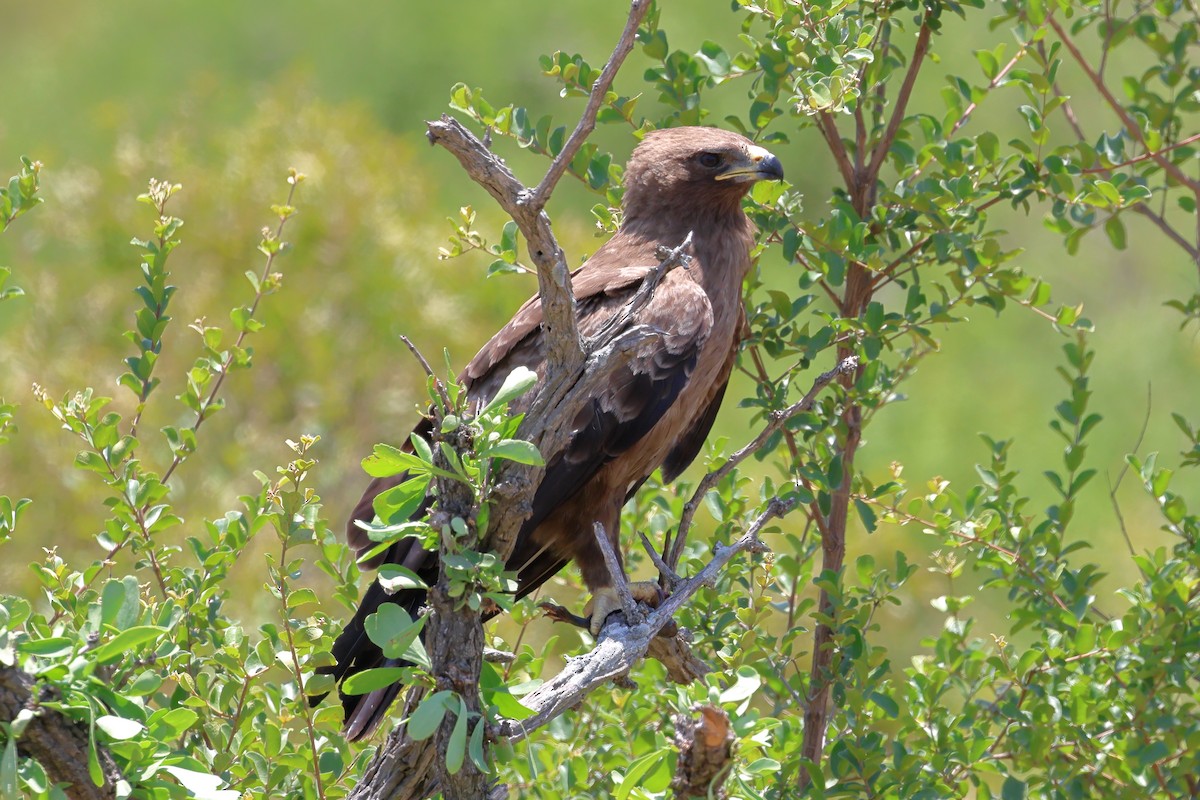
[
  {"x": 475, "y": 578},
  {"x": 182, "y": 698},
  {"x": 18, "y": 197},
  {"x": 1034, "y": 679}
]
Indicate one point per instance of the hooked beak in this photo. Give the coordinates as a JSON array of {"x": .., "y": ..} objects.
[{"x": 760, "y": 164}]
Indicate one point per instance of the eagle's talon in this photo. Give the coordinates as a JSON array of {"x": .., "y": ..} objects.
[
  {"x": 606, "y": 600},
  {"x": 557, "y": 613}
]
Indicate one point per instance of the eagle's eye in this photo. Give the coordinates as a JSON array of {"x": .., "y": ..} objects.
[{"x": 709, "y": 160}]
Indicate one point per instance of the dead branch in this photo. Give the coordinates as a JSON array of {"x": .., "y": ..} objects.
[
  {"x": 620, "y": 582},
  {"x": 671, "y": 258},
  {"x": 621, "y": 645},
  {"x": 527, "y": 206},
  {"x": 669, "y": 575},
  {"x": 437, "y": 384},
  {"x": 705, "y": 748}
]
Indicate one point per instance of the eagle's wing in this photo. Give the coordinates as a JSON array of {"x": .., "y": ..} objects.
[
  {"x": 628, "y": 405},
  {"x": 599, "y": 288}
]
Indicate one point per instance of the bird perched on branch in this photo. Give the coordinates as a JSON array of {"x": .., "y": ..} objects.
[{"x": 655, "y": 412}]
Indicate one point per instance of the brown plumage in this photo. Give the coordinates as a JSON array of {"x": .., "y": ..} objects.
[{"x": 657, "y": 413}]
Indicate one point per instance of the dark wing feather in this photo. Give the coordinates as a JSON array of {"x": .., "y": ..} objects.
[
  {"x": 623, "y": 411},
  {"x": 612, "y": 423}
]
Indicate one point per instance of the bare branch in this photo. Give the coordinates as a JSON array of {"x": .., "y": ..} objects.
[
  {"x": 671, "y": 258},
  {"x": 621, "y": 645},
  {"x": 587, "y": 123},
  {"x": 437, "y": 384},
  {"x": 668, "y": 574},
  {"x": 564, "y": 347},
  {"x": 620, "y": 583},
  {"x": 494, "y": 656}
]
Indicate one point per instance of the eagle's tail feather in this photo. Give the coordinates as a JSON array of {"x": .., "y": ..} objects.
[{"x": 354, "y": 652}]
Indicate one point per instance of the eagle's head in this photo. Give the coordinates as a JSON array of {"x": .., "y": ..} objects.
[{"x": 694, "y": 172}]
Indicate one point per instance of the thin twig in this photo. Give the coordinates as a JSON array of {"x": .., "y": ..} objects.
[
  {"x": 669, "y": 575},
  {"x": 1113, "y": 486},
  {"x": 587, "y": 123},
  {"x": 671, "y": 258},
  {"x": 437, "y": 383},
  {"x": 775, "y": 422},
  {"x": 620, "y": 584}
]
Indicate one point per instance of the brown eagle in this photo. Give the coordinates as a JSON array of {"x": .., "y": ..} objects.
[{"x": 656, "y": 413}]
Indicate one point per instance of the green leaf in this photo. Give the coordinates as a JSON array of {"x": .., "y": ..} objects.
[
  {"x": 371, "y": 679},
  {"x": 119, "y": 727},
  {"x": 867, "y": 514},
  {"x": 456, "y": 748},
  {"x": 126, "y": 641},
  {"x": 399, "y": 503},
  {"x": 747, "y": 683},
  {"x": 394, "y": 577},
  {"x": 518, "y": 382},
  {"x": 386, "y": 461},
  {"x": 393, "y": 629},
  {"x": 298, "y": 597},
  {"x": 515, "y": 450},
  {"x": 865, "y": 567},
  {"x": 1013, "y": 789},
  {"x": 1116, "y": 232},
  {"x": 202, "y": 784},
  {"x": 836, "y": 472},
  {"x": 886, "y": 704},
  {"x": 176, "y": 722},
  {"x": 499, "y": 696},
  {"x": 425, "y": 720},
  {"x": 475, "y": 746},
  {"x": 146, "y": 683},
  {"x": 8, "y": 769},
  {"x": 639, "y": 770},
  {"x": 48, "y": 647}
]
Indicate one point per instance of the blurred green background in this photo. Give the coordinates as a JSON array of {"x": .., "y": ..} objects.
[{"x": 223, "y": 97}]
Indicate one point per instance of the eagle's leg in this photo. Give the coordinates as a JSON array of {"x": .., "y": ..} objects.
[
  {"x": 605, "y": 601},
  {"x": 594, "y": 568}
]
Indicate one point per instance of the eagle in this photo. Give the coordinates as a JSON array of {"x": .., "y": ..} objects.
[{"x": 655, "y": 413}]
